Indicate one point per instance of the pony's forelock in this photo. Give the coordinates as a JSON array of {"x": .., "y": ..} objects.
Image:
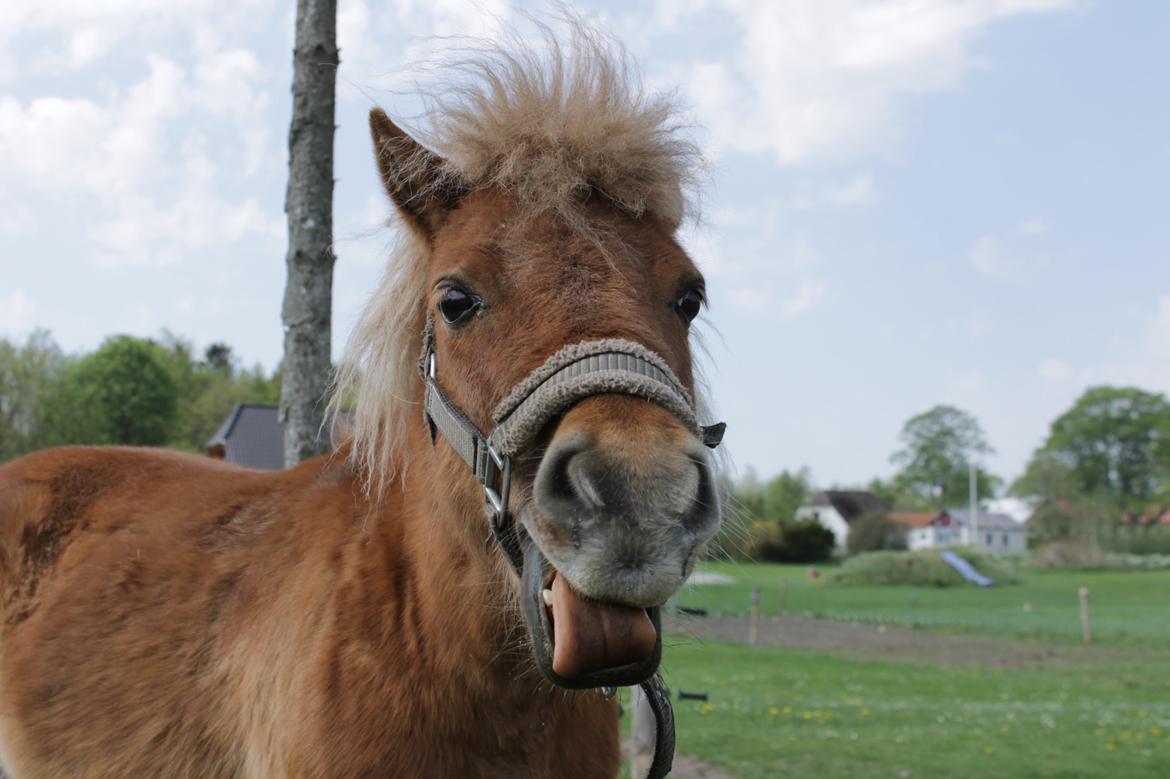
[{"x": 556, "y": 124}]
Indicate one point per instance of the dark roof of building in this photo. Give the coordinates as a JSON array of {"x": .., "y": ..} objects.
[
  {"x": 251, "y": 436},
  {"x": 850, "y": 504},
  {"x": 987, "y": 520}
]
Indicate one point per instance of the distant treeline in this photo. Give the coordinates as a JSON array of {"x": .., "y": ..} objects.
[
  {"x": 130, "y": 390},
  {"x": 1101, "y": 479}
]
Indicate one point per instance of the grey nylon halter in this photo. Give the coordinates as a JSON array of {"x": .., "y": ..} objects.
[{"x": 575, "y": 372}]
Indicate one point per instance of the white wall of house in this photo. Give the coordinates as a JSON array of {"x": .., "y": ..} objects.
[
  {"x": 1011, "y": 540},
  {"x": 1008, "y": 541},
  {"x": 830, "y": 518},
  {"x": 933, "y": 536}
]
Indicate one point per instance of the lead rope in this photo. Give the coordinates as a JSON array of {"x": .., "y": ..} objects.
[{"x": 573, "y": 373}]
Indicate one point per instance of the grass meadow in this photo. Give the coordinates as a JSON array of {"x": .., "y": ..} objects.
[
  {"x": 778, "y": 712},
  {"x": 1127, "y": 607}
]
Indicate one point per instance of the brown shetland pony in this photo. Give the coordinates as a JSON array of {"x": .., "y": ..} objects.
[{"x": 166, "y": 615}]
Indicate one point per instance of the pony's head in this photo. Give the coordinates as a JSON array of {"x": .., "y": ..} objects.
[{"x": 541, "y": 213}]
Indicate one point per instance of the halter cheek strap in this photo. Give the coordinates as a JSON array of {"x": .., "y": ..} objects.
[{"x": 572, "y": 374}]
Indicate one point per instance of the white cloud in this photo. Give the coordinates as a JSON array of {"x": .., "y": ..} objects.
[
  {"x": 1013, "y": 261},
  {"x": 15, "y": 217},
  {"x": 987, "y": 258},
  {"x": 966, "y": 388},
  {"x": 134, "y": 161},
  {"x": 17, "y": 312},
  {"x": 373, "y": 59},
  {"x": 1148, "y": 365},
  {"x": 808, "y": 294},
  {"x": 66, "y": 36},
  {"x": 1142, "y": 359},
  {"x": 857, "y": 191},
  {"x": 820, "y": 80},
  {"x": 1054, "y": 369},
  {"x": 1033, "y": 225},
  {"x": 753, "y": 299}
]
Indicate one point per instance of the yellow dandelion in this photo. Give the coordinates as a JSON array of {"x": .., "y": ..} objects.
[
  {"x": 775, "y": 712},
  {"x": 987, "y": 750}
]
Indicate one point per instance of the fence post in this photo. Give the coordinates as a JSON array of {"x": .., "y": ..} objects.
[
  {"x": 1086, "y": 627},
  {"x": 783, "y": 597},
  {"x": 754, "y": 630}
]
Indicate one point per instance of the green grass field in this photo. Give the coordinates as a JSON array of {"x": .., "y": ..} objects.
[
  {"x": 780, "y": 712},
  {"x": 796, "y": 714},
  {"x": 1128, "y": 608}
]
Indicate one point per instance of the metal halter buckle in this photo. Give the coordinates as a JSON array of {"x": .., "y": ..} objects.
[{"x": 497, "y": 481}]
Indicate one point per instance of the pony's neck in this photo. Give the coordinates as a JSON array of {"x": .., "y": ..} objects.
[{"x": 468, "y": 594}]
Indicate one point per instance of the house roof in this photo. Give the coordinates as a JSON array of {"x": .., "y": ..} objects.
[
  {"x": 915, "y": 518},
  {"x": 1147, "y": 520},
  {"x": 251, "y": 436},
  {"x": 850, "y": 504},
  {"x": 987, "y": 520}
]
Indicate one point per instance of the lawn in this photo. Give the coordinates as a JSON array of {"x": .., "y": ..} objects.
[
  {"x": 1128, "y": 608},
  {"x": 775, "y": 712}
]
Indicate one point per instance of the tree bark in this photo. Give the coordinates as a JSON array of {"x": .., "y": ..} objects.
[{"x": 308, "y": 304}]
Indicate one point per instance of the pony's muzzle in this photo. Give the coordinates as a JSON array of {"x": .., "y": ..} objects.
[{"x": 622, "y": 517}]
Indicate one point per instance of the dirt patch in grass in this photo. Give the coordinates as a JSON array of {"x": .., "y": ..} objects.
[{"x": 869, "y": 642}]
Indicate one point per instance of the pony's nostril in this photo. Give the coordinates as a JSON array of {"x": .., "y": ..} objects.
[
  {"x": 704, "y": 512},
  {"x": 582, "y": 480},
  {"x": 562, "y": 482}
]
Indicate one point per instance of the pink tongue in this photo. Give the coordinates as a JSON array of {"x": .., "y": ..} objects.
[{"x": 590, "y": 636}]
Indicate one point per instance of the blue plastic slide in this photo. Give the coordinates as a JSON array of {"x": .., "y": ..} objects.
[{"x": 965, "y": 569}]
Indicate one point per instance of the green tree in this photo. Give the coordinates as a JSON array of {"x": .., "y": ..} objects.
[
  {"x": 1047, "y": 477},
  {"x": 783, "y": 495},
  {"x": 209, "y": 388},
  {"x": 1115, "y": 441},
  {"x": 938, "y": 447},
  {"x": 219, "y": 358},
  {"x": 123, "y": 393},
  {"x": 28, "y": 374},
  {"x": 874, "y": 531}
]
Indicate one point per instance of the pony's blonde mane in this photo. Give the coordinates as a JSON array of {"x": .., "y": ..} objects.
[{"x": 556, "y": 125}]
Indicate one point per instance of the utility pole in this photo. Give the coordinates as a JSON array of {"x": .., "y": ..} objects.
[
  {"x": 308, "y": 294},
  {"x": 973, "y": 493}
]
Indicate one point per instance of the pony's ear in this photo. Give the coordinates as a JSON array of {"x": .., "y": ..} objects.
[{"x": 419, "y": 182}]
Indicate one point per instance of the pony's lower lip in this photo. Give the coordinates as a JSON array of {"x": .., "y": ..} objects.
[
  {"x": 630, "y": 639},
  {"x": 589, "y": 636}
]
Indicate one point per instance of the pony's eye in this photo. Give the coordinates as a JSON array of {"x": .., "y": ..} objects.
[
  {"x": 688, "y": 305},
  {"x": 457, "y": 306}
]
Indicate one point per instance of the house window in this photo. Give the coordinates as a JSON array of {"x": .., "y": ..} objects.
[
  {"x": 989, "y": 540},
  {"x": 1005, "y": 540}
]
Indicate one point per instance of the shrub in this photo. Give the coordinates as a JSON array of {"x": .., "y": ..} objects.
[
  {"x": 922, "y": 568},
  {"x": 1139, "y": 541},
  {"x": 1079, "y": 555},
  {"x": 874, "y": 531},
  {"x": 806, "y": 541}
]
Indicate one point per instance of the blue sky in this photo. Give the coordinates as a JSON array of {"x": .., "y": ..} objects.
[{"x": 911, "y": 201}]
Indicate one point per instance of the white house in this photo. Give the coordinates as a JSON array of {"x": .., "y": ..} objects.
[
  {"x": 836, "y": 509},
  {"x": 994, "y": 532}
]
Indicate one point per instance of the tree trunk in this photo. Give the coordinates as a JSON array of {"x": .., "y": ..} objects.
[{"x": 307, "y": 310}]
